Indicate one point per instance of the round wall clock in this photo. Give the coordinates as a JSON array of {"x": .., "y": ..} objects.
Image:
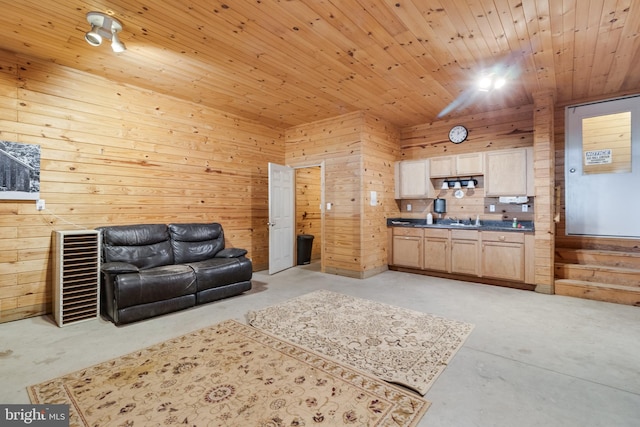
[{"x": 457, "y": 134}]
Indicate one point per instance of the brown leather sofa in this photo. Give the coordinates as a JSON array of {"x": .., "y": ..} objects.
[{"x": 153, "y": 269}]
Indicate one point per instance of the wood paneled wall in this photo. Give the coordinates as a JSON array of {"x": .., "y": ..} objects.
[
  {"x": 113, "y": 154},
  {"x": 358, "y": 152},
  {"x": 380, "y": 150},
  {"x": 496, "y": 130},
  {"x": 308, "y": 210},
  {"x": 544, "y": 175}
]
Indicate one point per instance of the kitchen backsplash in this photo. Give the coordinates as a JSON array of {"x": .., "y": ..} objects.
[{"x": 472, "y": 203}]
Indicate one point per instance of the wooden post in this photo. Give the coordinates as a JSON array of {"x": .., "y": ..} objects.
[{"x": 544, "y": 183}]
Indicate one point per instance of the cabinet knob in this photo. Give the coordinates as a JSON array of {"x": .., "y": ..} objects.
[{"x": 502, "y": 238}]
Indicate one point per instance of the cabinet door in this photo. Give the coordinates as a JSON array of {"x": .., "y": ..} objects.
[
  {"x": 503, "y": 260},
  {"x": 437, "y": 251},
  {"x": 406, "y": 251},
  {"x": 436, "y": 254},
  {"x": 506, "y": 173},
  {"x": 412, "y": 179},
  {"x": 442, "y": 167},
  {"x": 464, "y": 256},
  {"x": 469, "y": 164}
]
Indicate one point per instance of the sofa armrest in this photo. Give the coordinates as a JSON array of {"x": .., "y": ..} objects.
[
  {"x": 118, "y": 268},
  {"x": 231, "y": 253}
]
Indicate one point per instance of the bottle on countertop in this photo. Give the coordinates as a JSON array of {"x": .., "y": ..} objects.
[
  {"x": 429, "y": 218},
  {"x": 477, "y": 220},
  {"x": 515, "y": 223}
]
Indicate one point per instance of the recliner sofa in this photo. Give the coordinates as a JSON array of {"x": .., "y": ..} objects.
[{"x": 154, "y": 269}]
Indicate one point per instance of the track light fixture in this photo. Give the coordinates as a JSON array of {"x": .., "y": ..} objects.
[{"x": 104, "y": 27}]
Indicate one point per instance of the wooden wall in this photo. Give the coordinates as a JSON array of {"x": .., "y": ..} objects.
[
  {"x": 380, "y": 150},
  {"x": 358, "y": 152},
  {"x": 113, "y": 154},
  {"x": 308, "y": 210},
  {"x": 544, "y": 174},
  {"x": 501, "y": 129}
]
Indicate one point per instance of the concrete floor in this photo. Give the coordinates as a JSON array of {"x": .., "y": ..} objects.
[{"x": 532, "y": 359}]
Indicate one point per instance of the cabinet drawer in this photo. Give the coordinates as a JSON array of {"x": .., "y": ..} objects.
[
  {"x": 464, "y": 234},
  {"x": 498, "y": 236},
  {"x": 436, "y": 232},
  {"x": 409, "y": 232}
]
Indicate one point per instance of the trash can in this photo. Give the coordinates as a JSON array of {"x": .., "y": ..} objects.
[{"x": 305, "y": 243}]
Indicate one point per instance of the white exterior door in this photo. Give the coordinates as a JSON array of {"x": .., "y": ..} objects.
[
  {"x": 281, "y": 217},
  {"x": 601, "y": 179}
]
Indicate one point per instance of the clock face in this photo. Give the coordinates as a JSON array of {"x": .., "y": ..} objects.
[{"x": 457, "y": 134}]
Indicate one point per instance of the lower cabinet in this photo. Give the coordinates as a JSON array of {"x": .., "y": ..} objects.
[
  {"x": 491, "y": 254},
  {"x": 407, "y": 247},
  {"x": 503, "y": 255},
  {"x": 437, "y": 251},
  {"x": 464, "y": 252}
]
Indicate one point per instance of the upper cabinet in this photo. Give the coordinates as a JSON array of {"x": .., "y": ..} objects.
[
  {"x": 509, "y": 172},
  {"x": 506, "y": 173},
  {"x": 459, "y": 165},
  {"x": 442, "y": 167},
  {"x": 469, "y": 164},
  {"x": 412, "y": 180}
]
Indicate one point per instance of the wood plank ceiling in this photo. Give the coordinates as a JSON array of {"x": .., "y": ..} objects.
[{"x": 288, "y": 62}]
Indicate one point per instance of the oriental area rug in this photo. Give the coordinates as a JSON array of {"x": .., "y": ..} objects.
[
  {"x": 395, "y": 344},
  {"x": 229, "y": 374}
]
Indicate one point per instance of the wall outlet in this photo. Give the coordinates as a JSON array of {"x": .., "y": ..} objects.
[
  {"x": 492, "y": 208},
  {"x": 408, "y": 207},
  {"x": 525, "y": 208},
  {"x": 40, "y": 204}
]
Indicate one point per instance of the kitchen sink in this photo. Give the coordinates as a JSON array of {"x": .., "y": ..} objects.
[{"x": 459, "y": 224}]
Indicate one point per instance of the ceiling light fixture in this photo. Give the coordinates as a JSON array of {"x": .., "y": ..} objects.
[
  {"x": 491, "y": 81},
  {"x": 104, "y": 27}
]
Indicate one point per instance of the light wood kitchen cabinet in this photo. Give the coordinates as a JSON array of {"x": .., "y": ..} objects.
[
  {"x": 407, "y": 247},
  {"x": 437, "y": 249},
  {"x": 469, "y": 164},
  {"x": 459, "y": 165},
  {"x": 509, "y": 172},
  {"x": 442, "y": 167},
  {"x": 464, "y": 252},
  {"x": 412, "y": 180},
  {"x": 503, "y": 255}
]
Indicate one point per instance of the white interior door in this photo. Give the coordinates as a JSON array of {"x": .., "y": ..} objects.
[
  {"x": 281, "y": 217},
  {"x": 602, "y": 195}
]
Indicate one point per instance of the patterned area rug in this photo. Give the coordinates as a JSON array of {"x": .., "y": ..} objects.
[
  {"x": 229, "y": 374},
  {"x": 397, "y": 345}
]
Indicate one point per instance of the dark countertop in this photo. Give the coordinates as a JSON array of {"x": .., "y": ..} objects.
[{"x": 485, "y": 225}]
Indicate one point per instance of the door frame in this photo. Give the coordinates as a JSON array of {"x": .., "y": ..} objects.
[
  {"x": 322, "y": 206},
  {"x": 592, "y": 209}
]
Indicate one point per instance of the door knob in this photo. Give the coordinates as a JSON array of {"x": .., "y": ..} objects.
[
  {"x": 271, "y": 224},
  {"x": 572, "y": 170}
]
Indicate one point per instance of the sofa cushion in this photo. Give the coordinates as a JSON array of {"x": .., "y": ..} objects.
[
  {"x": 216, "y": 272},
  {"x": 154, "y": 284},
  {"x": 143, "y": 245},
  {"x": 231, "y": 253},
  {"x": 195, "y": 242}
]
